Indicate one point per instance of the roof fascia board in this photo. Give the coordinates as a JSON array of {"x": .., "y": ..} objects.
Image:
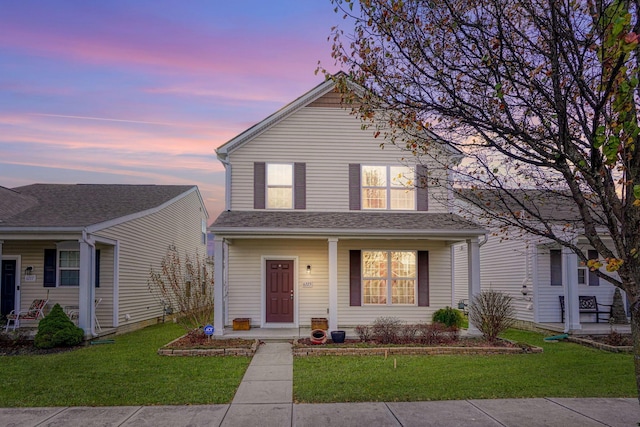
[
  {"x": 40, "y": 235},
  {"x": 117, "y": 221}
]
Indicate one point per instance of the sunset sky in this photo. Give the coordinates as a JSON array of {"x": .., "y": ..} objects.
[{"x": 142, "y": 92}]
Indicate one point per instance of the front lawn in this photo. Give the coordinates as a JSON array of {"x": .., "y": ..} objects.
[
  {"x": 128, "y": 372},
  {"x": 563, "y": 370}
]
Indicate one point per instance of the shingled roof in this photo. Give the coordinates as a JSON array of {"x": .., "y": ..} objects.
[
  {"x": 79, "y": 205},
  {"x": 344, "y": 223}
]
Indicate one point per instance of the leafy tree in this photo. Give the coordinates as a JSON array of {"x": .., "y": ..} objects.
[
  {"x": 184, "y": 287},
  {"x": 540, "y": 96}
]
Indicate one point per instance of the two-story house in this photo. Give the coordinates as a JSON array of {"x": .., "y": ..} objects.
[{"x": 321, "y": 222}]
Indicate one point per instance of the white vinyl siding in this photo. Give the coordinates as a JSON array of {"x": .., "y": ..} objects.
[
  {"x": 143, "y": 243},
  {"x": 327, "y": 140},
  {"x": 245, "y": 281}
]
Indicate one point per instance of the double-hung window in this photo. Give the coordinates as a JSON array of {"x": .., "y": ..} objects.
[
  {"x": 389, "y": 277},
  {"x": 388, "y": 187},
  {"x": 279, "y": 186},
  {"x": 68, "y": 267}
]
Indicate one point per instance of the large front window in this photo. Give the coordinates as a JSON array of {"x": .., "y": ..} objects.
[
  {"x": 388, "y": 187},
  {"x": 279, "y": 186},
  {"x": 389, "y": 277},
  {"x": 69, "y": 268}
]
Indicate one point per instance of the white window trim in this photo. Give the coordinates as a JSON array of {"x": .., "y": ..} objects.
[
  {"x": 267, "y": 186},
  {"x": 65, "y": 247},
  {"x": 389, "y": 279},
  {"x": 389, "y": 187}
]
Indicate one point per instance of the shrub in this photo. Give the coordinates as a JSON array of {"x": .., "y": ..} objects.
[
  {"x": 407, "y": 334},
  {"x": 386, "y": 329},
  {"x": 492, "y": 313},
  {"x": 364, "y": 332},
  {"x": 56, "y": 330},
  {"x": 449, "y": 316},
  {"x": 184, "y": 287},
  {"x": 437, "y": 333}
]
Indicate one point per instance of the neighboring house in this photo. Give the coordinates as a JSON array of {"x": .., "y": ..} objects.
[
  {"x": 320, "y": 222},
  {"x": 536, "y": 271},
  {"x": 74, "y": 244}
]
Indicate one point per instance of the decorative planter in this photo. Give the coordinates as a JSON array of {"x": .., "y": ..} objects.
[
  {"x": 318, "y": 336},
  {"x": 241, "y": 324},
  {"x": 319, "y": 323},
  {"x": 338, "y": 336}
]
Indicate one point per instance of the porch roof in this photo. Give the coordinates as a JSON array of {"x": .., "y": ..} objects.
[{"x": 414, "y": 224}]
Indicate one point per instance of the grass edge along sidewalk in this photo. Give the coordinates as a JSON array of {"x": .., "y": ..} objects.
[
  {"x": 128, "y": 372},
  {"x": 564, "y": 369}
]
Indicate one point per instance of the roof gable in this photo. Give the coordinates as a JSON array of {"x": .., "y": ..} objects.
[
  {"x": 308, "y": 98},
  {"x": 83, "y": 205}
]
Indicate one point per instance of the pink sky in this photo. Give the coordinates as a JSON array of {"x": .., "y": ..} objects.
[{"x": 143, "y": 92}]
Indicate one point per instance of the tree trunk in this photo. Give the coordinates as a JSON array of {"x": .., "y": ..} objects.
[{"x": 635, "y": 332}]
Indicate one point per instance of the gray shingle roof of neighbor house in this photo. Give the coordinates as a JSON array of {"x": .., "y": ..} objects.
[
  {"x": 79, "y": 205},
  {"x": 352, "y": 223},
  {"x": 553, "y": 206}
]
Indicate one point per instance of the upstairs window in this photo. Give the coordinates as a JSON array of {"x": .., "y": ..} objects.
[
  {"x": 279, "y": 186},
  {"x": 388, "y": 187}
]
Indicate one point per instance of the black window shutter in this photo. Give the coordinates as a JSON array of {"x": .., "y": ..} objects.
[
  {"x": 594, "y": 280},
  {"x": 259, "y": 188},
  {"x": 355, "y": 278},
  {"x": 354, "y": 187},
  {"x": 97, "y": 268},
  {"x": 50, "y": 268},
  {"x": 423, "y": 278},
  {"x": 422, "y": 192},
  {"x": 300, "y": 185},
  {"x": 555, "y": 260}
]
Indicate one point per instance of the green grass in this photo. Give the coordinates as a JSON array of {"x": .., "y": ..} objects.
[
  {"x": 563, "y": 370},
  {"x": 129, "y": 372}
]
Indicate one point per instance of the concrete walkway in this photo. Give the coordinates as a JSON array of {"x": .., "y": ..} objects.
[{"x": 264, "y": 398}]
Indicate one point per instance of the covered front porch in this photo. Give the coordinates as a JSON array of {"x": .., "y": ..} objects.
[
  {"x": 74, "y": 270},
  {"x": 587, "y": 328}
]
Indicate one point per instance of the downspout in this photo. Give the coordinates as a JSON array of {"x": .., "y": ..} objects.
[
  {"x": 227, "y": 182},
  {"x": 92, "y": 284}
]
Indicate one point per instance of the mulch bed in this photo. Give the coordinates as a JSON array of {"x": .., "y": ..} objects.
[
  {"x": 616, "y": 343},
  {"x": 463, "y": 342},
  {"x": 468, "y": 346},
  {"x": 10, "y": 347}
]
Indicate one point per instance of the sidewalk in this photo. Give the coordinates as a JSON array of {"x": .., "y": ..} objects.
[{"x": 264, "y": 398}]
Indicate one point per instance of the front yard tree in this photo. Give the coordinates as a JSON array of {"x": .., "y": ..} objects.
[{"x": 538, "y": 94}]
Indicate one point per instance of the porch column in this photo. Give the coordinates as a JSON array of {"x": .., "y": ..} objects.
[
  {"x": 218, "y": 285},
  {"x": 333, "y": 283},
  {"x": 85, "y": 289},
  {"x": 473, "y": 263},
  {"x": 570, "y": 285}
]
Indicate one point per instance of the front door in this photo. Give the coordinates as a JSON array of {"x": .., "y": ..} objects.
[
  {"x": 7, "y": 286},
  {"x": 279, "y": 291}
]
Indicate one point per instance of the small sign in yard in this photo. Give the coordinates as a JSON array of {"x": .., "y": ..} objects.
[{"x": 208, "y": 330}]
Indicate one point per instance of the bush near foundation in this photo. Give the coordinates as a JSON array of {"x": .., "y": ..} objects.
[
  {"x": 449, "y": 316},
  {"x": 56, "y": 330}
]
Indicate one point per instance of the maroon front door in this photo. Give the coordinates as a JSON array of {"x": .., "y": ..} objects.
[{"x": 280, "y": 291}]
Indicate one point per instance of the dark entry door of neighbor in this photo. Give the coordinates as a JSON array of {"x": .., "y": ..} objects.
[
  {"x": 7, "y": 286},
  {"x": 279, "y": 291}
]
